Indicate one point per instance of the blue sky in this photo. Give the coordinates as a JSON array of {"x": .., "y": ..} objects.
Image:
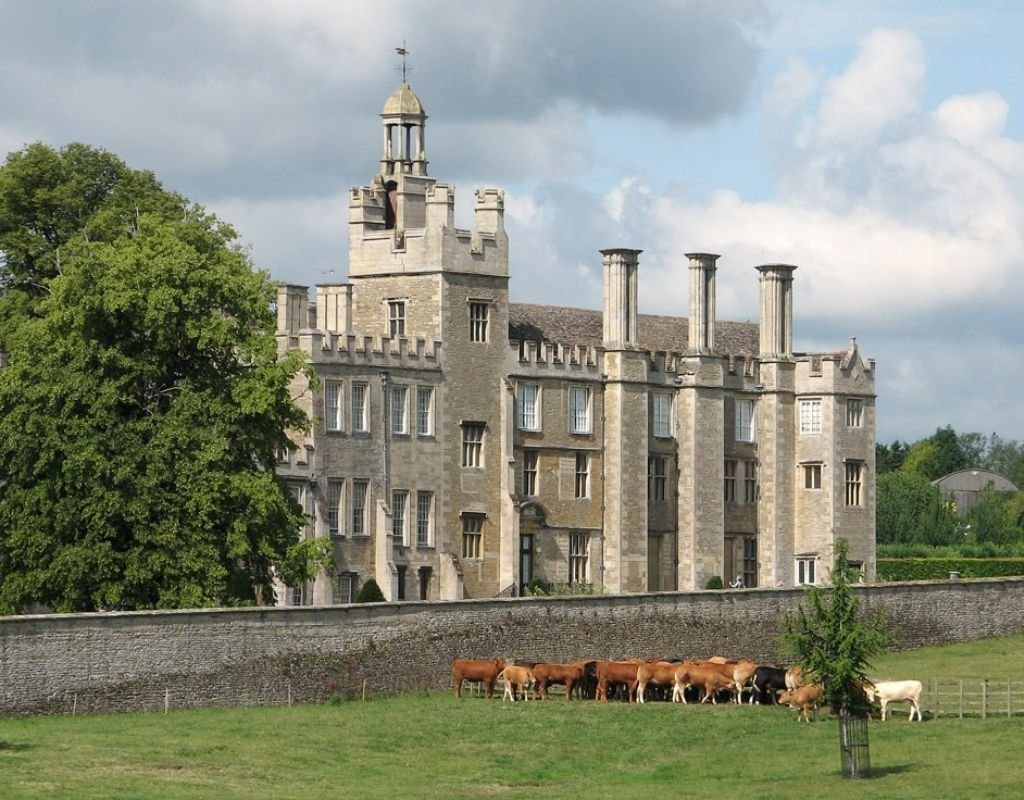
[{"x": 879, "y": 146}]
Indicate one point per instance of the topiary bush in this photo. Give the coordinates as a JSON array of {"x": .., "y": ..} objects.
[
  {"x": 714, "y": 582},
  {"x": 370, "y": 592}
]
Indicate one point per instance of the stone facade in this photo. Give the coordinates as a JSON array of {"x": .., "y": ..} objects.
[
  {"x": 147, "y": 661},
  {"x": 464, "y": 446}
]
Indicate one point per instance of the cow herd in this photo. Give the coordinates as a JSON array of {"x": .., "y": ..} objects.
[{"x": 635, "y": 680}]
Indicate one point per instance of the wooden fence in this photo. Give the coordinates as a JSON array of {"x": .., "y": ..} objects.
[{"x": 969, "y": 698}]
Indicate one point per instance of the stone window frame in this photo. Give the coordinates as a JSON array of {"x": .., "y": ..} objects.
[
  {"x": 334, "y": 405},
  {"x": 479, "y": 320},
  {"x": 580, "y": 413},
  {"x": 344, "y": 588},
  {"x": 399, "y": 409},
  {"x": 396, "y": 313},
  {"x": 749, "y": 481},
  {"x": 425, "y": 411},
  {"x": 531, "y": 473},
  {"x": 400, "y": 516},
  {"x": 729, "y": 481},
  {"x": 581, "y": 475},
  {"x": 473, "y": 535},
  {"x": 813, "y": 472},
  {"x": 745, "y": 409},
  {"x": 810, "y": 416},
  {"x": 855, "y": 471},
  {"x": 528, "y": 421},
  {"x": 657, "y": 478},
  {"x": 334, "y": 513},
  {"x": 661, "y": 415},
  {"x": 424, "y": 519},
  {"x": 473, "y": 435},
  {"x": 805, "y": 569},
  {"x": 360, "y": 507},
  {"x": 854, "y": 412},
  {"x": 579, "y": 557},
  {"x": 359, "y": 391}
]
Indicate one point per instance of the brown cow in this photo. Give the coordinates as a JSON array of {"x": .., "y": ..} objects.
[
  {"x": 804, "y": 698},
  {"x": 568, "y": 675},
  {"x": 468, "y": 669},
  {"x": 691, "y": 673},
  {"x": 616, "y": 672},
  {"x": 516, "y": 678},
  {"x": 742, "y": 674},
  {"x": 661, "y": 673}
]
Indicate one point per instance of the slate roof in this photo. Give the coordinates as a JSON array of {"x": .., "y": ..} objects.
[{"x": 567, "y": 325}]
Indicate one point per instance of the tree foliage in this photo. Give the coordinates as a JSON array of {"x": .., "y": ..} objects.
[
  {"x": 832, "y": 640},
  {"x": 995, "y": 517},
  {"x": 910, "y": 509},
  {"x": 936, "y": 456},
  {"x": 144, "y": 398},
  {"x": 890, "y": 457}
]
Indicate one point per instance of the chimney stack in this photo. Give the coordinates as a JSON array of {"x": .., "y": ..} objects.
[
  {"x": 620, "y": 286},
  {"x": 702, "y": 302},
  {"x": 776, "y": 324}
]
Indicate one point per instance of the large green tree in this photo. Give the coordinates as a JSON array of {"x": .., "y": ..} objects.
[
  {"x": 937, "y": 456},
  {"x": 143, "y": 400},
  {"x": 910, "y": 509}
]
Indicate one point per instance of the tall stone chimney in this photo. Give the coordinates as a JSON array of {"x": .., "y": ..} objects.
[
  {"x": 776, "y": 323},
  {"x": 292, "y": 308},
  {"x": 702, "y": 302},
  {"x": 620, "y": 289}
]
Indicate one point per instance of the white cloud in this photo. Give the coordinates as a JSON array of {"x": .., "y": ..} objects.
[
  {"x": 881, "y": 88},
  {"x": 790, "y": 89},
  {"x": 977, "y": 122}
]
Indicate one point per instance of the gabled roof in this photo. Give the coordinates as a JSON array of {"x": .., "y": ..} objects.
[{"x": 567, "y": 325}]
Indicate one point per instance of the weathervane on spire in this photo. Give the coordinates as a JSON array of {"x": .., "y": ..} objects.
[{"x": 403, "y": 52}]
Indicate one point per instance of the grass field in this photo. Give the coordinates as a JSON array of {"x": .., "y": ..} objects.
[{"x": 434, "y": 746}]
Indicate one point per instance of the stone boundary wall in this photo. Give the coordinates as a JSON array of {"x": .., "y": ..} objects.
[{"x": 148, "y": 661}]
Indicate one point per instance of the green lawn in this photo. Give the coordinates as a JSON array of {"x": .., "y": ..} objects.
[{"x": 434, "y": 746}]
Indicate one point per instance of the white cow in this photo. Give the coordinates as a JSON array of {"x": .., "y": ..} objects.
[{"x": 895, "y": 692}]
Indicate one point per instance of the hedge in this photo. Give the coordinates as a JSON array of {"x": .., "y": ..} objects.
[{"x": 930, "y": 569}]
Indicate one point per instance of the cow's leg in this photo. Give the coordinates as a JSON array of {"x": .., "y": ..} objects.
[
  {"x": 885, "y": 704},
  {"x": 458, "y": 686},
  {"x": 914, "y": 707}
]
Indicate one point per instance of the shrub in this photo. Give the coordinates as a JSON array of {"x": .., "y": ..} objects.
[
  {"x": 714, "y": 582},
  {"x": 931, "y": 569},
  {"x": 370, "y": 592}
]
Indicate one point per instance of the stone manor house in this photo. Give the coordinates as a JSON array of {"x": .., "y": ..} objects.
[{"x": 465, "y": 446}]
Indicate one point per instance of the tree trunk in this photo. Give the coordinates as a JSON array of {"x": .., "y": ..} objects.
[{"x": 853, "y": 745}]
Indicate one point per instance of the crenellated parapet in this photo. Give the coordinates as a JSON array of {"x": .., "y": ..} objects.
[
  {"x": 842, "y": 371},
  {"x": 418, "y": 234},
  {"x": 352, "y": 349},
  {"x": 549, "y": 357}
]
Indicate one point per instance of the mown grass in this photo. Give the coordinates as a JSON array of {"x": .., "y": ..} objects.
[{"x": 434, "y": 746}]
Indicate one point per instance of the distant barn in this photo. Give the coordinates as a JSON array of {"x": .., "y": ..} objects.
[{"x": 964, "y": 487}]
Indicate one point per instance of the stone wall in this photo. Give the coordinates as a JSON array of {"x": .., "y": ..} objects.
[{"x": 144, "y": 661}]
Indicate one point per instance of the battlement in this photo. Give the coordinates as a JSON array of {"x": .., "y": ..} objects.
[
  {"x": 741, "y": 365},
  {"x": 365, "y": 350},
  {"x": 570, "y": 358}
]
